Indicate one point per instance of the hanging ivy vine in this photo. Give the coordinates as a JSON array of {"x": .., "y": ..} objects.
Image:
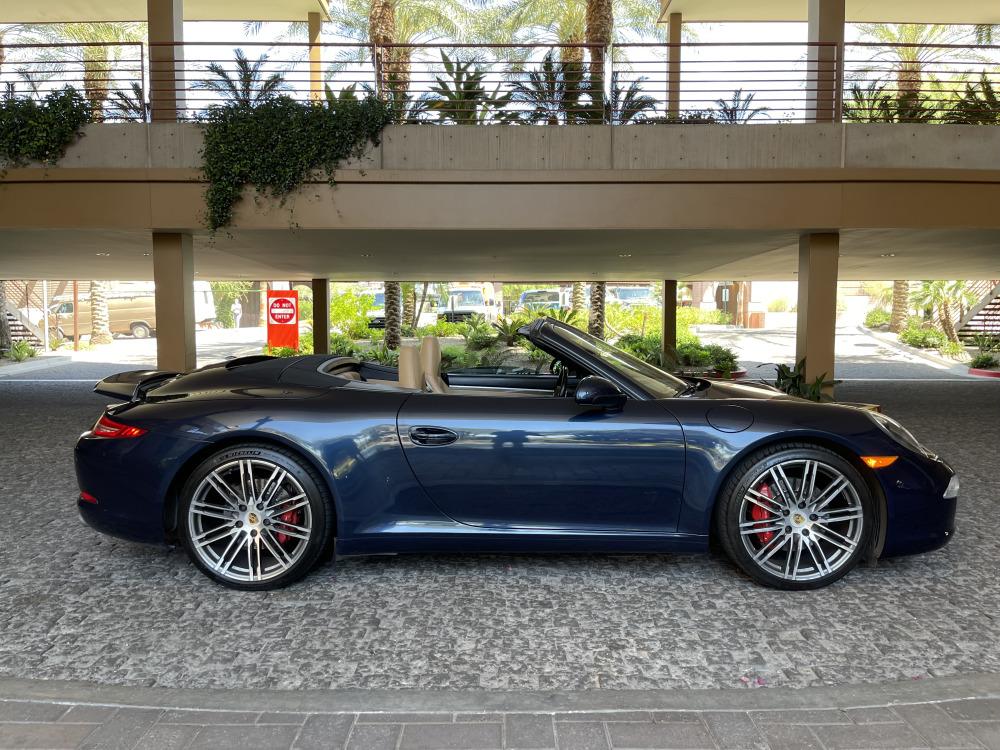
[
  {"x": 277, "y": 144},
  {"x": 32, "y": 130}
]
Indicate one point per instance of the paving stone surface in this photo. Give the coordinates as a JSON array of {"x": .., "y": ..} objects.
[
  {"x": 77, "y": 605},
  {"x": 916, "y": 727}
]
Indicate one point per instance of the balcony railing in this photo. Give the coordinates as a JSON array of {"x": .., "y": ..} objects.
[{"x": 752, "y": 83}]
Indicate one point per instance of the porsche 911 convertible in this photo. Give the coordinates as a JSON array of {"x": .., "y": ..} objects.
[{"x": 264, "y": 468}]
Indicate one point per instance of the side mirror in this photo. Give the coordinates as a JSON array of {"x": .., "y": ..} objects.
[{"x": 600, "y": 393}]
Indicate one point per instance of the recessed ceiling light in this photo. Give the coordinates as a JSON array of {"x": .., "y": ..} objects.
[
  {"x": 624, "y": 255},
  {"x": 887, "y": 255},
  {"x": 367, "y": 255},
  {"x": 103, "y": 255},
  {"x": 146, "y": 255}
]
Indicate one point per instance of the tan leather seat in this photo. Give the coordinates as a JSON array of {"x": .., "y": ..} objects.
[
  {"x": 410, "y": 370},
  {"x": 430, "y": 359}
]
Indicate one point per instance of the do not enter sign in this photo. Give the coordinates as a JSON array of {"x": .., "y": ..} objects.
[{"x": 283, "y": 318}]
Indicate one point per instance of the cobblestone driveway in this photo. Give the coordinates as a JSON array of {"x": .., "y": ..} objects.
[{"x": 77, "y": 605}]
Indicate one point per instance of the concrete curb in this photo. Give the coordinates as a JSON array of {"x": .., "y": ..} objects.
[
  {"x": 937, "y": 690},
  {"x": 890, "y": 340},
  {"x": 42, "y": 362}
]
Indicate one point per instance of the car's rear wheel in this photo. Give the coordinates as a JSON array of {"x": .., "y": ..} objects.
[
  {"x": 795, "y": 517},
  {"x": 140, "y": 331},
  {"x": 255, "y": 517}
]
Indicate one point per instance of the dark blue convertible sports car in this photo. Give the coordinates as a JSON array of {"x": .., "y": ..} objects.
[{"x": 264, "y": 468}]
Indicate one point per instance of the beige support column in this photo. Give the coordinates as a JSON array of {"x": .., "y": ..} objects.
[
  {"x": 825, "y": 67},
  {"x": 315, "y": 58},
  {"x": 166, "y": 61},
  {"x": 675, "y": 24},
  {"x": 173, "y": 273},
  {"x": 669, "y": 349},
  {"x": 321, "y": 316},
  {"x": 819, "y": 257}
]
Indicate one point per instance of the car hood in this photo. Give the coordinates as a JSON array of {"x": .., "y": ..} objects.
[{"x": 725, "y": 389}]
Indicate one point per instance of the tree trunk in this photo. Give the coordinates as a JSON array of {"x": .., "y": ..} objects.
[
  {"x": 600, "y": 27},
  {"x": 579, "y": 300},
  {"x": 423, "y": 301},
  {"x": 410, "y": 304},
  {"x": 393, "y": 315},
  {"x": 900, "y": 305},
  {"x": 5, "y": 340},
  {"x": 598, "y": 292},
  {"x": 100, "y": 319},
  {"x": 947, "y": 324},
  {"x": 571, "y": 59}
]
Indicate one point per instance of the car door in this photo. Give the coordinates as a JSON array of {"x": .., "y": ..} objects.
[{"x": 546, "y": 462}]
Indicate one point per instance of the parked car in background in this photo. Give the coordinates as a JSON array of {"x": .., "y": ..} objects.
[
  {"x": 633, "y": 296},
  {"x": 535, "y": 300},
  {"x": 463, "y": 300},
  {"x": 131, "y": 311},
  {"x": 376, "y": 315}
]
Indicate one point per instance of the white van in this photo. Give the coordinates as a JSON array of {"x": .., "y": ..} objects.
[{"x": 464, "y": 300}]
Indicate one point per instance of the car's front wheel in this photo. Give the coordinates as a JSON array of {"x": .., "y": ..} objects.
[
  {"x": 255, "y": 517},
  {"x": 795, "y": 517}
]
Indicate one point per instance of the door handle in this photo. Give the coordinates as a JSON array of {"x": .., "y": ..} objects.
[{"x": 432, "y": 436}]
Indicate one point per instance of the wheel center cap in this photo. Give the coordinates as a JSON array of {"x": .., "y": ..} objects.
[
  {"x": 252, "y": 518},
  {"x": 798, "y": 519}
]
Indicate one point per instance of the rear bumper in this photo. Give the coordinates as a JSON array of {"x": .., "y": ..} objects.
[{"x": 131, "y": 480}]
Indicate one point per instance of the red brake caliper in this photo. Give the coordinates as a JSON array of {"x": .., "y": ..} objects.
[
  {"x": 291, "y": 516},
  {"x": 757, "y": 513}
]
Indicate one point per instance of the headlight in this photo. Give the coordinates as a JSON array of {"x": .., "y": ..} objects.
[
  {"x": 953, "y": 487},
  {"x": 898, "y": 433}
]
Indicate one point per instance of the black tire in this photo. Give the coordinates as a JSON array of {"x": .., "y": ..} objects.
[
  {"x": 263, "y": 529},
  {"x": 140, "y": 331},
  {"x": 761, "y": 546}
]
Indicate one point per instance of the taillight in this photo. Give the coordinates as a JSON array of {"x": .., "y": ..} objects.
[
  {"x": 109, "y": 428},
  {"x": 86, "y": 497}
]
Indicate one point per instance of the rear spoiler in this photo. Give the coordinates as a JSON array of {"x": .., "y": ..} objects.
[{"x": 132, "y": 385}]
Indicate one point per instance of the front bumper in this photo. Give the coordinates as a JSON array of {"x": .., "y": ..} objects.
[{"x": 920, "y": 517}]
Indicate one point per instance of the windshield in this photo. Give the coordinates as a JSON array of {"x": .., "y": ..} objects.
[
  {"x": 466, "y": 297},
  {"x": 656, "y": 382},
  {"x": 634, "y": 293},
  {"x": 529, "y": 297}
]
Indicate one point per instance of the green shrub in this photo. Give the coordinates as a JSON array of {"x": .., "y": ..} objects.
[
  {"x": 342, "y": 346},
  {"x": 648, "y": 348},
  {"x": 922, "y": 337},
  {"x": 380, "y": 354},
  {"x": 877, "y": 317},
  {"x": 723, "y": 359},
  {"x": 224, "y": 293},
  {"x": 22, "y": 350},
  {"x": 779, "y": 305},
  {"x": 986, "y": 343},
  {"x": 349, "y": 313},
  {"x": 693, "y": 355},
  {"x": 951, "y": 349},
  {"x": 479, "y": 334},
  {"x": 442, "y": 329},
  {"x": 281, "y": 351},
  {"x": 507, "y": 329},
  {"x": 984, "y": 362},
  {"x": 41, "y": 131},
  {"x": 278, "y": 143}
]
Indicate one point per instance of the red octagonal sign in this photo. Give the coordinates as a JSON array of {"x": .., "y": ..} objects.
[{"x": 282, "y": 311}]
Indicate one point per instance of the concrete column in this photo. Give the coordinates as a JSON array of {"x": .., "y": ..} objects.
[
  {"x": 675, "y": 24},
  {"x": 166, "y": 62},
  {"x": 825, "y": 63},
  {"x": 315, "y": 59},
  {"x": 321, "y": 315},
  {"x": 819, "y": 256},
  {"x": 173, "y": 272},
  {"x": 669, "y": 322}
]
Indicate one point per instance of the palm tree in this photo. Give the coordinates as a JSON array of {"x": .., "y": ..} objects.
[
  {"x": 598, "y": 295},
  {"x": 393, "y": 314},
  {"x": 578, "y": 298},
  {"x": 599, "y": 29},
  {"x": 247, "y": 86},
  {"x": 100, "y": 319},
  {"x": 900, "y": 306},
  {"x": 96, "y": 47},
  {"x": 943, "y": 298},
  {"x": 627, "y": 104},
  {"x": 910, "y": 49},
  {"x": 461, "y": 97},
  {"x": 738, "y": 110}
]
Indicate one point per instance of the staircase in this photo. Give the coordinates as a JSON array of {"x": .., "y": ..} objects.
[
  {"x": 22, "y": 330},
  {"x": 983, "y": 318}
]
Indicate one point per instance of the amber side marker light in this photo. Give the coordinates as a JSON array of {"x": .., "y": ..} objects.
[{"x": 879, "y": 462}]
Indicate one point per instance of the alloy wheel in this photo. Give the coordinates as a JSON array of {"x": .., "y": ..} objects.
[
  {"x": 801, "y": 520},
  {"x": 249, "y": 520}
]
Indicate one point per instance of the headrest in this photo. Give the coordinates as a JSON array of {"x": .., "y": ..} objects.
[
  {"x": 430, "y": 354},
  {"x": 410, "y": 373}
]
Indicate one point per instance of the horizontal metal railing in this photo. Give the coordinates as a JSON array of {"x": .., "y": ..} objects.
[{"x": 757, "y": 82}]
